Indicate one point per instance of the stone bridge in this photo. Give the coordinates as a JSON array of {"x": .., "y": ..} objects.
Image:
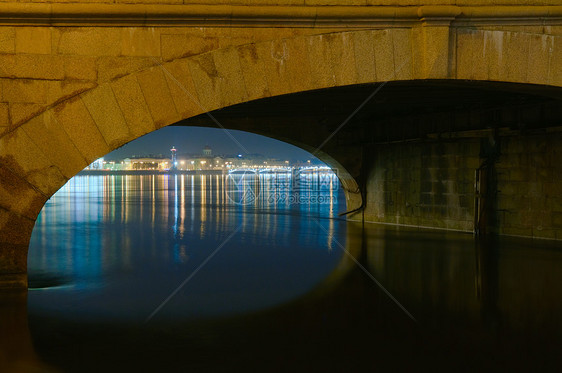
[{"x": 436, "y": 113}]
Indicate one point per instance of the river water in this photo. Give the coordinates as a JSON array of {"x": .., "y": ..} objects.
[
  {"x": 117, "y": 246},
  {"x": 258, "y": 273}
]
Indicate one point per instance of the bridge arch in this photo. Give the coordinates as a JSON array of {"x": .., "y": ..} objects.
[{"x": 40, "y": 155}]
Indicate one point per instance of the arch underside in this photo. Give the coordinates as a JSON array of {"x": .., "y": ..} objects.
[{"x": 38, "y": 155}]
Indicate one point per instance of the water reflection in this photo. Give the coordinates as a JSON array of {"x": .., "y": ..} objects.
[
  {"x": 16, "y": 348},
  {"x": 129, "y": 240},
  {"x": 301, "y": 303},
  {"x": 484, "y": 305}
]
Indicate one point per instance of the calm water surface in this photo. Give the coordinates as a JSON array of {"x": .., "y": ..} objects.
[
  {"x": 273, "y": 280},
  {"x": 117, "y": 246}
]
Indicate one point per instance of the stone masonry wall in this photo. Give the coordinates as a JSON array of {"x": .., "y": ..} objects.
[
  {"x": 424, "y": 184},
  {"x": 529, "y": 172},
  {"x": 432, "y": 185},
  {"x": 43, "y": 66}
]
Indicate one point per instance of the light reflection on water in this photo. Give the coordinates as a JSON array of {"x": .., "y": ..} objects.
[
  {"x": 481, "y": 305},
  {"x": 115, "y": 246}
]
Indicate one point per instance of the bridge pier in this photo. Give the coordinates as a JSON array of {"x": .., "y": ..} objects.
[
  {"x": 15, "y": 233},
  {"x": 20, "y": 203},
  {"x": 431, "y": 184}
]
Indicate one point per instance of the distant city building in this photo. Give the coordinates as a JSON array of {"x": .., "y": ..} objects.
[
  {"x": 195, "y": 162},
  {"x": 160, "y": 164}
]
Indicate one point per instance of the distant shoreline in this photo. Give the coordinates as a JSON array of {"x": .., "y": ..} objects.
[{"x": 150, "y": 172}]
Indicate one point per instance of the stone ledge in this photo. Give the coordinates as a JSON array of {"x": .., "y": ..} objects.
[
  {"x": 225, "y": 15},
  {"x": 13, "y": 281}
]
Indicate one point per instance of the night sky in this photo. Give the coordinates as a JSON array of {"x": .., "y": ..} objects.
[{"x": 193, "y": 139}]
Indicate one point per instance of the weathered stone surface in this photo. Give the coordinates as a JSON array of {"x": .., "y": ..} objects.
[
  {"x": 133, "y": 105},
  {"x": 185, "y": 45},
  {"x": 478, "y": 59},
  {"x": 35, "y": 40},
  {"x": 253, "y": 71},
  {"x": 517, "y": 56},
  {"x": 403, "y": 57},
  {"x": 31, "y": 66},
  {"x": 149, "y": 1},
  {"x": 16, "y": 231},
  {"x": 182, "y": 89},
  {"x": 81, "y": 128},
  {"x": 555, "y": 73},
  {"x": 63, "y": 90},
  {"x": 384, "y": 55},
  {"x": 20, "y": 154},
  {"x": 7, "y": 39},
  {"x": 436, "y": 51},
  {"x": 321, "y": 68},
  {"x": 110, "y": 68},
  {"x": 26, "y": 90},
  {"x": 80, "y": 68},
  {"x": 158, "y": 97},
  {"x": 107, "y": 115},
  {"x": 343, "y": 58},
  {"x": 332, "y": 59},
  {"x": 28, "y": 96},
  {"x": 22, "y": 112},
  {"x": 205, "y": 79},
  {"x": 232, "y": 88},
  {"x": 140, "y": 42},
  {"x": 364, "y": 56},
  {"x": 46, "y": 131},
  {"x": 296, "y": 69},
  {"x": 287, "y": 67},
  {"x": 537, "y": 65},
  {"x": 495, "y": 54},
  {"x": 18, "y": 195},
  {"x": 4, "y": 115},
  {"x": 89, "y": 41}
]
